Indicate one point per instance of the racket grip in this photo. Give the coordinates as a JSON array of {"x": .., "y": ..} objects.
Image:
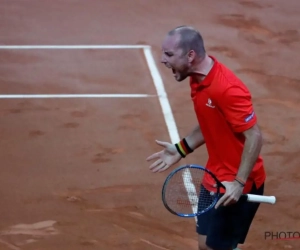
[{"x": 261, "y": 198}]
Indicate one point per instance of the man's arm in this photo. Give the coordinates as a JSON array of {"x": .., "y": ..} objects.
[
  {"x": 252, "y": 148},
  {"x": 195, "y": 139}
]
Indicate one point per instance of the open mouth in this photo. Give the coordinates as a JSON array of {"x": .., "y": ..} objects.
[{"x": 170, "y": 67}]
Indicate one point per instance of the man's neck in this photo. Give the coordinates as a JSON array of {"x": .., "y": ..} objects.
[{"x": 202, "y": 69}]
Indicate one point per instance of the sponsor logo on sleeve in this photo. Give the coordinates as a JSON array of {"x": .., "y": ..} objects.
[{"x": 250, "y": 117}]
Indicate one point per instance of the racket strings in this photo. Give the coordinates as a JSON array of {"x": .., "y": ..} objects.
[{"x": 185, "y": 193}]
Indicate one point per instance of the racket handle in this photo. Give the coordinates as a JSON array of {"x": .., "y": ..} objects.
[{"x": 261, "y": 198}]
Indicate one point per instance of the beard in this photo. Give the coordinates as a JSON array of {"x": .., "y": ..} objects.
[{"x": 181, "y": 75}]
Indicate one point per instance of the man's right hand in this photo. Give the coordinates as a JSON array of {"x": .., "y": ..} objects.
[{"x": 165, "y": 158}]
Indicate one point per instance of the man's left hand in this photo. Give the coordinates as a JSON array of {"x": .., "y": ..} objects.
[{"x": 233, "y": 193}]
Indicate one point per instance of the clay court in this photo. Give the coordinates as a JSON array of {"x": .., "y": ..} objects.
[{"x": 73, "y": 170}]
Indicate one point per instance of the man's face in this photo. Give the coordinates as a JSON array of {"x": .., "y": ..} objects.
[{"x": 174, "y": 58}]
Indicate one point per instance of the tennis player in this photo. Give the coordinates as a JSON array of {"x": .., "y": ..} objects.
[{"x": 227, "y": 125}]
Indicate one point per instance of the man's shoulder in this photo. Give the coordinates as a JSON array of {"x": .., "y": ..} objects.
[{"x": 227, "y": 79}]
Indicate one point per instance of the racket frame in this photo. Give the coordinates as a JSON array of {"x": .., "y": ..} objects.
[
  {"x": 191, "y": 166},
  {"x": 247, "y": 197}
]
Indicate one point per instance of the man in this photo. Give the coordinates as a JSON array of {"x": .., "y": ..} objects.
[{"x": 227, "y": 125}]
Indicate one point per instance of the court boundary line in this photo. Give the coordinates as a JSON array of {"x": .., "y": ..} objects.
[
  {"x": 121, "y": 46},
  {"x": 48, "y": 96},
  {"x": 168, "y": 116}
]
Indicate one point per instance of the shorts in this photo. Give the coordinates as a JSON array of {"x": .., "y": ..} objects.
[{"x": 228, "y": 226}]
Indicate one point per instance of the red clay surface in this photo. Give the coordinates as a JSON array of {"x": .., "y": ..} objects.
[{"x": 73, "y": 171}]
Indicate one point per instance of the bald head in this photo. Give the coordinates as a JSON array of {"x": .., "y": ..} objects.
[{"x": 189, "y": 39}]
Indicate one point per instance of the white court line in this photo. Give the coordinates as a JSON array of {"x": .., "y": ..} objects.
[
  {"x": 74, "y": 46},
  {"x": 168, "y": 115},
  {"x": 190, "y": 188},
  {"x": 77, "y": 96},
  {"x": 163, "y": 98}
]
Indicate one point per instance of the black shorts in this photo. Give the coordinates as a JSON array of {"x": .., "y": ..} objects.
[{"x": 228, "y": 226}]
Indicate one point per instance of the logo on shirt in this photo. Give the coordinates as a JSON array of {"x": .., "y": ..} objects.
[
  {"x": 209, "y": 103},
  {"x": 250, "y": 117}
]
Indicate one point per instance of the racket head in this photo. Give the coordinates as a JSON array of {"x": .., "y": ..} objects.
[{"x": 184, "y": 193}]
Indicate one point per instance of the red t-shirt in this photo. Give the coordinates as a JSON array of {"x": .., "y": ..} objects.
[{"x": 224, "y": 110}]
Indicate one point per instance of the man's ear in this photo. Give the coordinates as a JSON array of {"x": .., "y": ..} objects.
[{"x": 191, "y": 55}]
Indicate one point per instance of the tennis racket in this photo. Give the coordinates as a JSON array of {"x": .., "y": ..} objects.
[{"x": 185, "y": 194}]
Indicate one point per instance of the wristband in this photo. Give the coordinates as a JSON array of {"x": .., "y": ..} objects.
[
  {"x": 240, "y": 181},
  {"x": 183, "y": 148}
]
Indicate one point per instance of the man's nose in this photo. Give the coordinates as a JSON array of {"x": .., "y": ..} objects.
[{"x": 163, "y": 59}]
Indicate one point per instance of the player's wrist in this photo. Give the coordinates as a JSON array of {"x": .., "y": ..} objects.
[
  {"x": 183, "y": 148},
  {"x": 240, "y": 181}
]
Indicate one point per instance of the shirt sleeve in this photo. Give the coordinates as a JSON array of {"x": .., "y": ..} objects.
[{"x": 236, "y": 105}]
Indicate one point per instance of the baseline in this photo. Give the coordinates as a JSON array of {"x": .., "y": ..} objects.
[
  {"x": 74, "y": 46},
  {"x": 12, "y": 96}
]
